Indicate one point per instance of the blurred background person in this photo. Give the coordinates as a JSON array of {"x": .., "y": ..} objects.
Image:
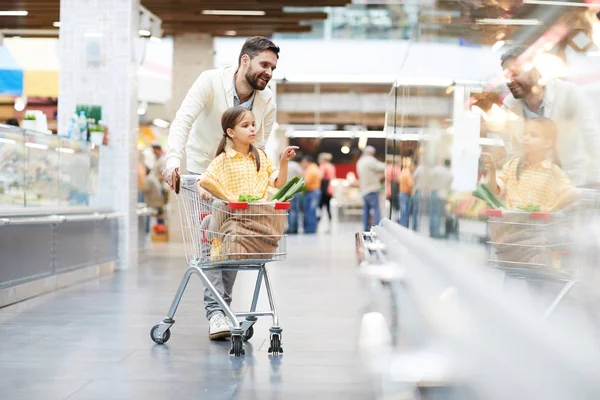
[
  {"x": 327, "y": 175},
  {"x": 441, "y": 179},
  {"x": 406, "y": 190},
  {"x": 295, "y": 170},
  {"x": 419, "y": 182},
  {"x": 578, "y": 140},
  {"x": 370, "y": 172},
  {"x": 312, "y": 196},
  {"x": 392, "y": 187}
]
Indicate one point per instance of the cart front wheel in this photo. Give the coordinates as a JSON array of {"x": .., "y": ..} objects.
[
  {"x": 164, "y": 338},
  {"x": 275, "y": 348},
  {"x": 237, "y": 346}
]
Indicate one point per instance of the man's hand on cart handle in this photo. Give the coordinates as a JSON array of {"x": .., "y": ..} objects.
[{"x": 173, "y": 179}]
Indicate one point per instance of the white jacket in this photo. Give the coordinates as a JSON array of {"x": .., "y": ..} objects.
[
  {"x": 578, "y": 141},
  {"x": 201, "y": 112}
]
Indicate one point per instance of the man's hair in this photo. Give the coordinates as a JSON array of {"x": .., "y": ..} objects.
[
  {"x": 512, "y": 53},
  {"x": 255, "y": 45}
]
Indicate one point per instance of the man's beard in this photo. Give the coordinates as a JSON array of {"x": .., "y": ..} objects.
[{"x": 255, "y": 82}]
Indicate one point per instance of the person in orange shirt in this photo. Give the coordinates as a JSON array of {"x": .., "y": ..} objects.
[
  {"x": 312, "y": 196},
  {"x": 406, "y": 190},
  {"x": 327, "y": 175}
]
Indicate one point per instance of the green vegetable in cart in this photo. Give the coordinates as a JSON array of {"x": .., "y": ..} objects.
[
  {"x": 530, "y": 208},
  {"x": 299, "y": 187},
  {"x": 246, "y": 198},
  {"x": 281, "y": 192}
]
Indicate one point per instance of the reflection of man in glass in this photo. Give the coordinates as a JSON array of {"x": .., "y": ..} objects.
[{"x": 578, "y": 141}]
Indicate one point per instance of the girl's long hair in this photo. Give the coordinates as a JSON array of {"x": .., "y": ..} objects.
[
  {"x": 550, "y": 131},
  {"x": 230, "y": 118}
]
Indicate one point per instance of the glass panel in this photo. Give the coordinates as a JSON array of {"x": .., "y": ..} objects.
[
  {"x": 12, "y": 167},
  {"x": 75, "y": 171},
  {"x": 43, "y": 170}
]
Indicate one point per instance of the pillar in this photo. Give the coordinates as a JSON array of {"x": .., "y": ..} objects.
[
  {"x": 193, "y": 53},
  {"x": 97, "y": 57}
]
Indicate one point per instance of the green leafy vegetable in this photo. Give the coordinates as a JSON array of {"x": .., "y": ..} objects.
[
  {"x": 246, "y": 198},
  {"x": 531, "y": 208},
  {"x": 484, "y": 193}
]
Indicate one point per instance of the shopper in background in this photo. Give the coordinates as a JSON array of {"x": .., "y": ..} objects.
[
  {"x": 200, "y": 113},
  {"x": 578, "y": 140},
  {"x": 160, "y": 161},
  {"x": 406, "y": 190},
  {"x": 312, "y": 196},
  {"x": 295, "y": 170},
  {"x": 327, "y": 175},
  {"x": 441, "y": 179},
  {"x": 370, "y": 171},
  {"x": 392, "y": 184},
  {"x": 418, "y": 193}
]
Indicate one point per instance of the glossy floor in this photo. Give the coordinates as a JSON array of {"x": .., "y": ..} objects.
[{"x": 92, "y": 341}]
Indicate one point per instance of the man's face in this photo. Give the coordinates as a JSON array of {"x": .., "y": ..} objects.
[
  {"x": 518, "y": 80},
  {"x": 260, "y": 69}
]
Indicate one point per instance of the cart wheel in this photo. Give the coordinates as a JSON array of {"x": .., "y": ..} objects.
[
  {"x": 249, "y": 333},
  {"x": 165, "y": 336},
  {"x": 237, "y": 346},
  {"x": 275, "y": 347}
]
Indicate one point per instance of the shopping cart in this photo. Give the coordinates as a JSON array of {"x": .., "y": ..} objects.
[
  {"x": 536, "y": 246},
  {"x": 230, "y": 237}
]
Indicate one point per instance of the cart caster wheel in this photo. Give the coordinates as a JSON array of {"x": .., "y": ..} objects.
[
  {"x": 275, "y": 348},
  {"x": 160, "y": 340},
  {"x": 237, "y": 346},
  {"x": 249, "y": 333}
]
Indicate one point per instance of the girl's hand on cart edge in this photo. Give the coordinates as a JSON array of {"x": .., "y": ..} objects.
[
  {"x": 289, "y": 153},
  {"x": 204, "y": 194},
  {"x": 488, "y": 162}
]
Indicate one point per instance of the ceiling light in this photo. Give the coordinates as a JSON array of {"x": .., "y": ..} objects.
[
  {"x": 56, "y": 24},
  {"x": 142, "y": 108},
  {"x": 65, "y": 150},
  {"x": 161, "y": 123},
  {"x": 560, "y": 3},
  {"x": 345, "y": 149},
  {"x": 507, "y": 21},
  {"x": 7, "y": 141},
  {"x": 144, "y": 32},
  {"x": 234, "y": 12},
  {"x": 230, "y": 33},
  {"x": 36, "y": 146},
  {"x": 13, "y": 13},
  {"x": 20, "y": 103},
  {"x": 155, "y": 39},
  {"x": 498, "y": 45}
]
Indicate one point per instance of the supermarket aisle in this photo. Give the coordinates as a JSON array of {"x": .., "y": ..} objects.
[{"x": 92, "y": 341}]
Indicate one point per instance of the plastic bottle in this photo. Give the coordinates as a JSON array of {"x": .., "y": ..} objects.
[
  {"x": 74, "y": 131},
  {"x": 83, "y": 126}
]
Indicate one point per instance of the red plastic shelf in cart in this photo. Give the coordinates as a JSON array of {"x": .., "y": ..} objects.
[
  {"x": 539, "y": 216},
  {"x": 234, "y": 205},
  {"x": 494, "y": 213}
]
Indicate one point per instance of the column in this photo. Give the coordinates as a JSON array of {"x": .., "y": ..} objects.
[
  {"x": 97, "y": 57},
  {"x": 192, "y": 54}
]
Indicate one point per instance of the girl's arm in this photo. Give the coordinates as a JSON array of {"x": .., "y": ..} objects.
[
  {"x": 288, "y": 154},
  {"x": 490, "y": 167}
]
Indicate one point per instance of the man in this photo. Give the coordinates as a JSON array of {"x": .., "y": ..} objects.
[
  {"x": 370, "y": 172},
  {"x": 213, "y": 92},
  {"x": 578, "y": 141},
  {"x": 312, "y": 196},
  {"x": 441, "y": 179}
]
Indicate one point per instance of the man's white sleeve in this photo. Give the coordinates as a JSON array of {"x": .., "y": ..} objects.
[
  {"x": 268, "y": 125},
  {"x": 589, "y": 126},
  {"x": 195, "y": 100}
]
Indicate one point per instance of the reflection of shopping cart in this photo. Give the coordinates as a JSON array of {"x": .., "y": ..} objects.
[
  {"x": 537, "y": 247},
  {"x": 229, "y": 237}
]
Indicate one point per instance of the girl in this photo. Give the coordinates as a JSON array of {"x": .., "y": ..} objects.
[
  {"x": 240, "y": 168},
  {"x": 535, "y": 178}
]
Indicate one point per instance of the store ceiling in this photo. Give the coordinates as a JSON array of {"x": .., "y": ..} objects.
[{"x": 185, "y": 16}]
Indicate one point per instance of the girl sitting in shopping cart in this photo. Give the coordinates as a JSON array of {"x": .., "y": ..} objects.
[{"x": 535, "y": 179}]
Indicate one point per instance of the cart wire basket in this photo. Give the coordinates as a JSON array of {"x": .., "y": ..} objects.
[
  {"x": 534, "y": 246},
  {"x": 229, "y": 236}
]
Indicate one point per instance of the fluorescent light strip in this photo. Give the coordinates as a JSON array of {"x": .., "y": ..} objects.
[
  {"x": 65, "y": 150},
  {"x": 7, "y": 141},
  {"x": 561, "y": 3},
  {"x": 234, "y": 12},
  {"x": 56, "y": 24},
  {"x": 13, "y": 13},
  {"x": 144, "y": 32},
  {"x": 36, "y": 146},
  {"x": 507, "y": 21}
]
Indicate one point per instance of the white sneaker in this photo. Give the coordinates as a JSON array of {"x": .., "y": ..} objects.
[{"x": 218, "y": 327}]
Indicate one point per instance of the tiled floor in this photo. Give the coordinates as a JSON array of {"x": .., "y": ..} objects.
[{"x": 92, "y": 341}]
